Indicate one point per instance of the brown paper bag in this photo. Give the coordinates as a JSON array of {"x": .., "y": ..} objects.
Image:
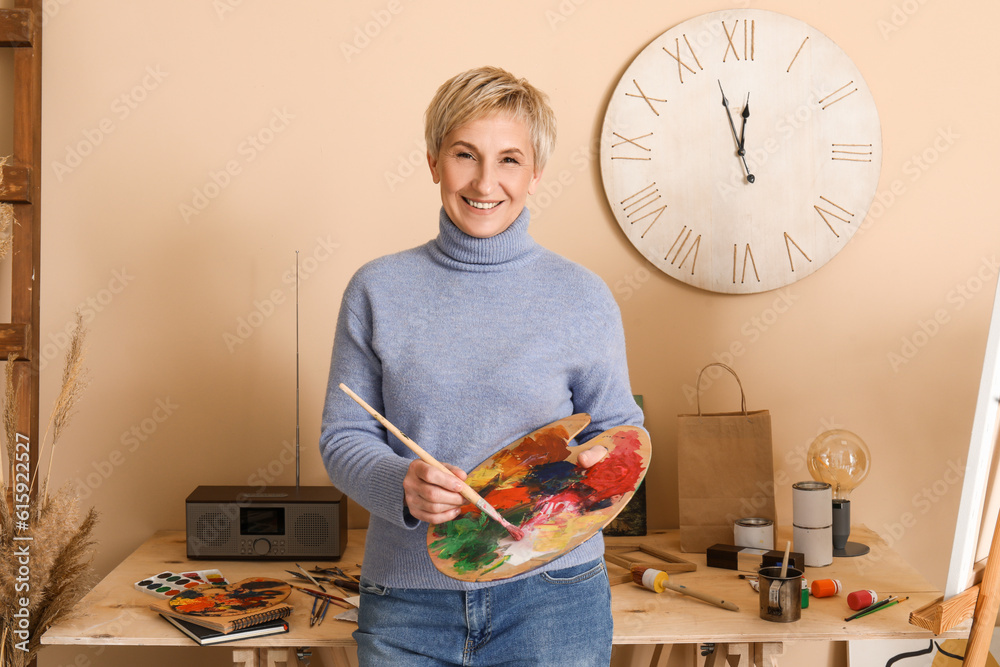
[{"x": 724, "y": 470}]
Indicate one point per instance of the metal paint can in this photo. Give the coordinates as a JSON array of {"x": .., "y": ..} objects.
[
  {"x": 780, "y": 597},
  {"x": 754, "y": 532}
]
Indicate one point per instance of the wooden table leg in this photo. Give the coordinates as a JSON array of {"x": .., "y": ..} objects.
[
  {"x": 275, "y": 657},
  {"x": 766, "y": 654},
  {"x": 261, "y": 657},
  {"x": 735, "y": 654},
  {"x": 661, "y": 655},
  {"x": 245, "y": 657},
  {"x": 729, "y": 654},
  {"x": 717, "y": 658}
]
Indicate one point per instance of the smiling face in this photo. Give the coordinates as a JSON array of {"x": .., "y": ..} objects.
[{"x": 486, "y": 170}]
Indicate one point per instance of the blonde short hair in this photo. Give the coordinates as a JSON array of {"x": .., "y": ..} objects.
[{"x": 488, "y": 91}]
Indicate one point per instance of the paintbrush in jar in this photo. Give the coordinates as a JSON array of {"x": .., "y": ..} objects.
[{"x": 467, "y": 491}]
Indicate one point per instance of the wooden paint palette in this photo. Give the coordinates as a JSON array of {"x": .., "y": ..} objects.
[
  {"x": 535, "y": 484},
  {"x": 248, "y": 595}
]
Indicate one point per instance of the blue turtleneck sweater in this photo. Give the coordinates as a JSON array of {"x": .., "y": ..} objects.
[{"x": 465, "y": 344}]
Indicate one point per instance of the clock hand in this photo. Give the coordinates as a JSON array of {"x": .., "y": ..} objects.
[
  {"x": 725, "y": 103},
  {"x": 738, "y": 140},
  {"x": 745, "y": 114}
]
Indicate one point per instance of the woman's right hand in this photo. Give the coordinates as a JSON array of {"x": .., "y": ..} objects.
[{"x": 430, "y": 494}]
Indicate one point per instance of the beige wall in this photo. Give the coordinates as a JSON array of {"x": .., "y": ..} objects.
[{"x": 147, "y": 102}]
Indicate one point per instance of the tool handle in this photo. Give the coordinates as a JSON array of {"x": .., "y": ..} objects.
[
  {"x": 711, "y": 599},
  {"x": 467, "y": 491}
]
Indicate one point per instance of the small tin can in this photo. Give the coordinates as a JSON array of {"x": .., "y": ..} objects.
[{"x": 754, "y": 532}]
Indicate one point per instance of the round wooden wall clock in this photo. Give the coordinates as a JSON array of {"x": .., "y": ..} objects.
[{"x": 740, "y": 151}]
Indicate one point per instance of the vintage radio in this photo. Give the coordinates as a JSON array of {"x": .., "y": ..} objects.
[{"x": 266, "y": 523}]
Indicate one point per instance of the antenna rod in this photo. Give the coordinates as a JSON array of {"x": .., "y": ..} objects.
[{"x": 296, "y": 372}]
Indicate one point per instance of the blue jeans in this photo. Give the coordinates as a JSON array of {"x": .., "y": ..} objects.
[{"x": 560, "y": 618}]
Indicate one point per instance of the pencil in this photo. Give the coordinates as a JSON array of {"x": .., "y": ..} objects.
[
  {"x": 467, "y": 491},
  {"x": 312, "y": 614},
  {"x": 326, "y": 605}
]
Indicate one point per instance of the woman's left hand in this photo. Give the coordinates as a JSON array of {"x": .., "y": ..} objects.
[{"x": 591, "y": 456}]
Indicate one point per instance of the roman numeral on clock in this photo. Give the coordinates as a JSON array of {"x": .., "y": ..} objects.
[
  {"x": 847, "y": 89},
  {"x": 634, "y": 144},
  {"x": 824, "y": 210},
  {"x": 789, "y": 242},
  {"x": 676, "y": 55},
  {"x": 649, "y": 100},
  {"x": 749, "y": 33},
  {"x": 639, "y": 202},
  {"x": 684, "y": 243},
  {"x": 747, "y": 254},
  {"x": 851, "y": 152},
  {"x": 789, "y": 68}
]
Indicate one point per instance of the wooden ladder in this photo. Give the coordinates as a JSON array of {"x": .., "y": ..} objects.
[{"x": 20, "y": 187}]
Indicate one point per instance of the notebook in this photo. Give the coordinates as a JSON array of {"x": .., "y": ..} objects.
[
  {"x": 244, "y": 604},
  {"x": 207, "y": 636}
]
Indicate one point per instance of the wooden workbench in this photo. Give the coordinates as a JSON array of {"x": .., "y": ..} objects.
[{"x": 114, "y": 613}]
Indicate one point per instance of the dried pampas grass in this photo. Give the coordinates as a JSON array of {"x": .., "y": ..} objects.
[
  {"x": 74, "y": 382},
  {"x": 45, "y": 546}
]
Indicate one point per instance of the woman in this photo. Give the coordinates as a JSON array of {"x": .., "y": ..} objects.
[{"x": 467, "y": 343}]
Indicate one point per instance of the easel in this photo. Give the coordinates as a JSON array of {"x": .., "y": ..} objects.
[{"x": 983, "y": 600}]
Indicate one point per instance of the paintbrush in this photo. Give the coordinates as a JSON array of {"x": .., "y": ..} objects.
[
  {"x": 773, "y": 599},
  {"x": 878, "y": 606},
  {"x": 657, "y": 581},
  {"x": 310, "y": 577},
  {"x": 467, "y": 491},
  {"x": 784, "y": 560},
  {"x": 340, "y": 602}
]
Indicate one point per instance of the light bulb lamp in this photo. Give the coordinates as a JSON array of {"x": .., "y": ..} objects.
[{"x": 841, "y": 459}]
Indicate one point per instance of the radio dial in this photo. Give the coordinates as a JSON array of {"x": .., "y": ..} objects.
[{"x": 261, "y": 547}]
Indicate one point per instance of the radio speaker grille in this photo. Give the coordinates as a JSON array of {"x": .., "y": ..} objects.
[
  {"x": 212, "y": 529},
  {"x": 312, "y": 530}
]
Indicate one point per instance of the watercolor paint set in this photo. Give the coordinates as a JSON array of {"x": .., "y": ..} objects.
[{"x": 169, "y": 584}]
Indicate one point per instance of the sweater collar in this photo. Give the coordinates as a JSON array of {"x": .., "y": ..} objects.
[{"x": 510, "y": 247}]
